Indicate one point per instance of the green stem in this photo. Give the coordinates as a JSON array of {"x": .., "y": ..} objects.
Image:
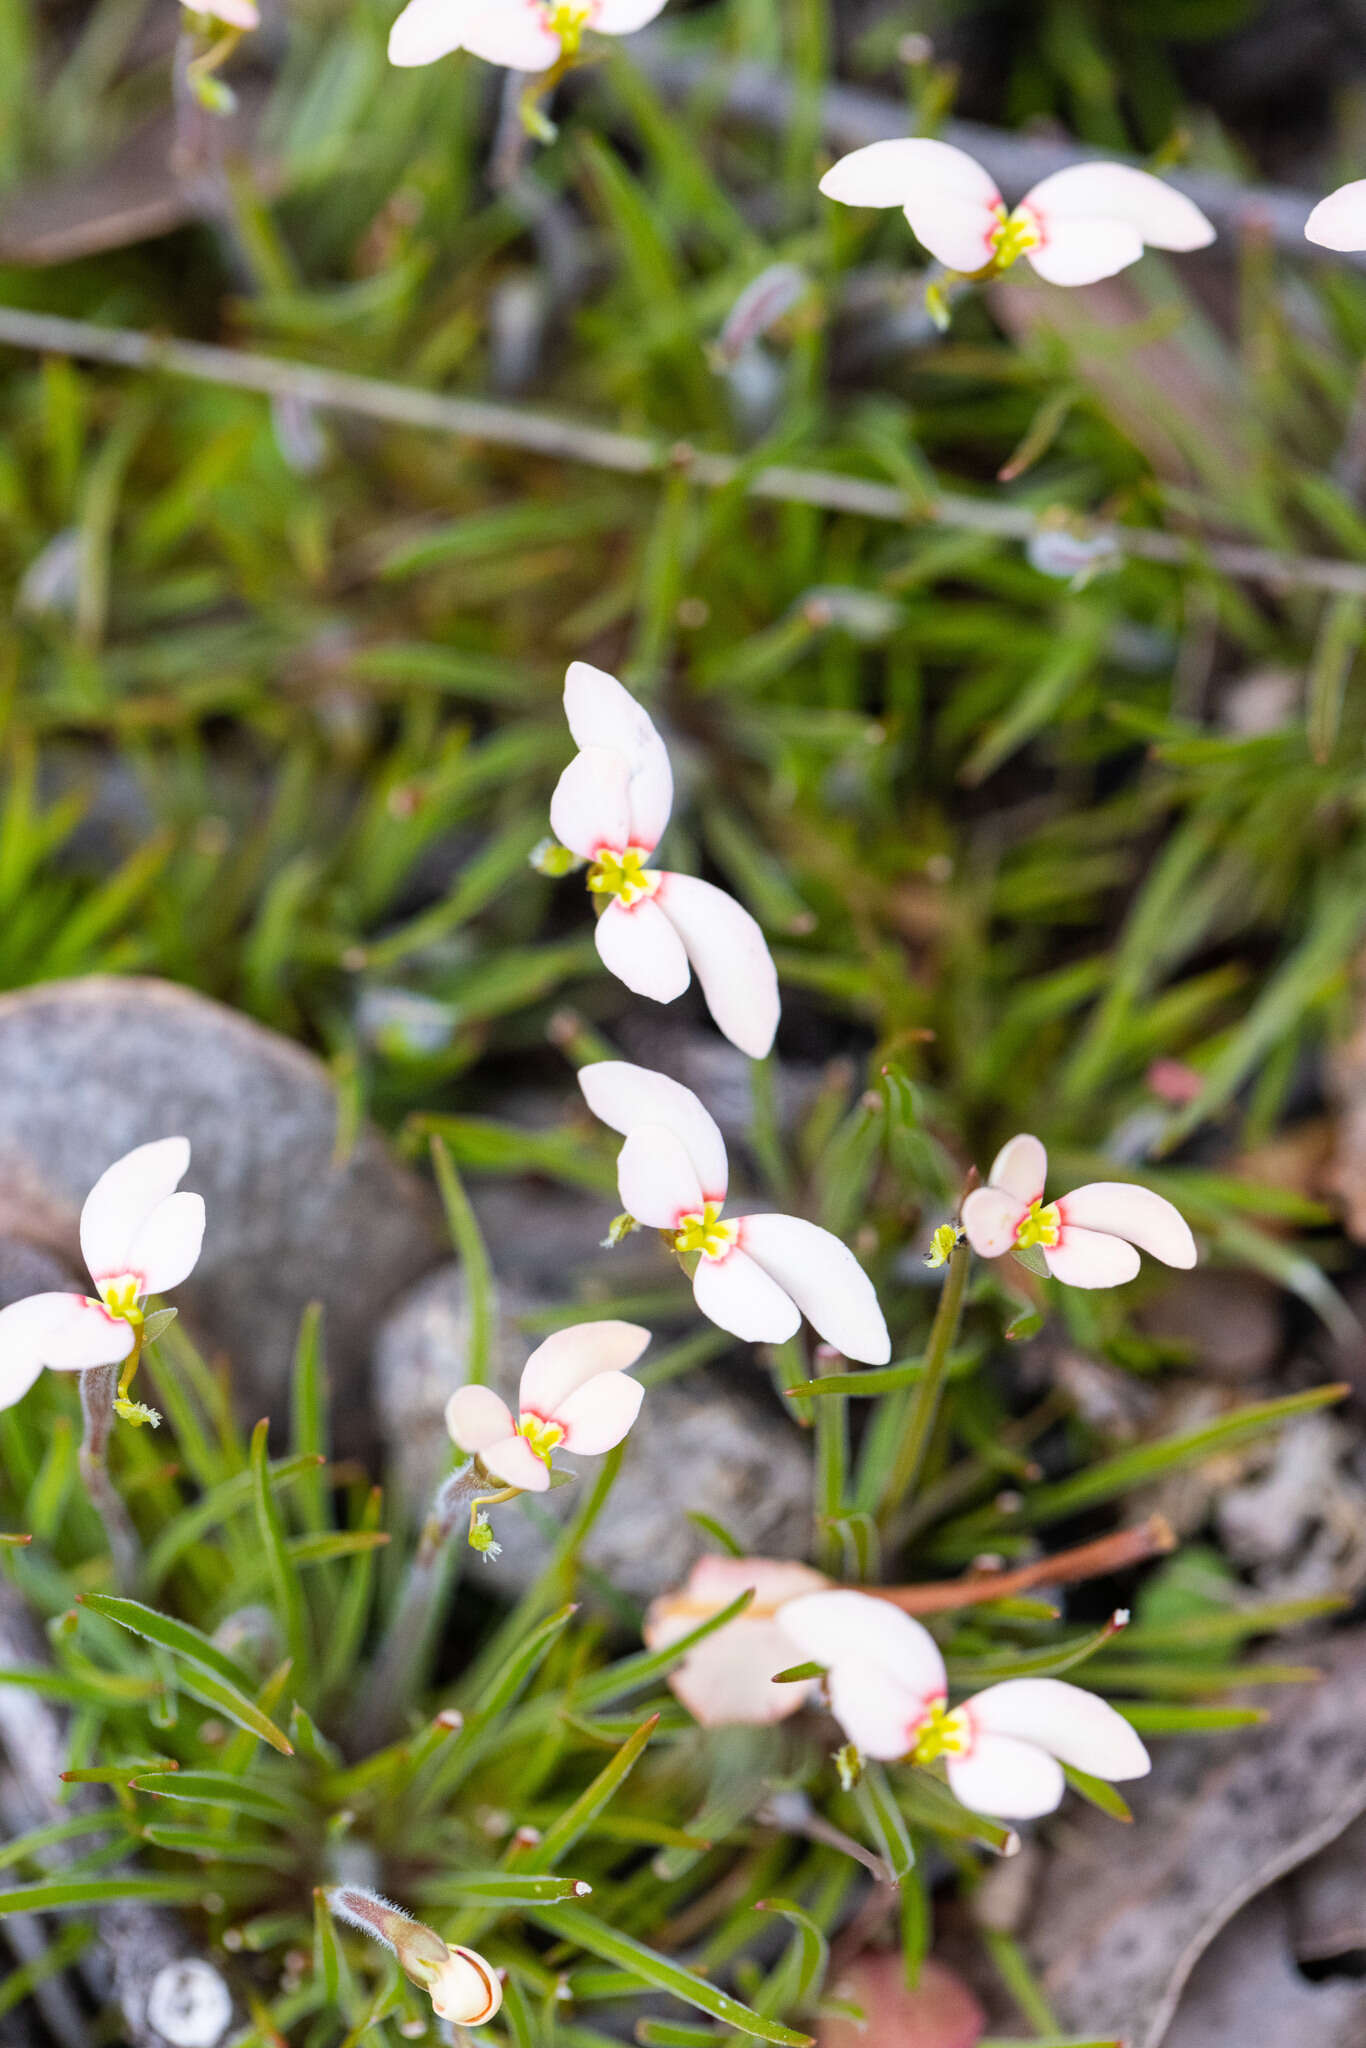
[
  {"x": 925, "y": 1410},
  {"x": 98, "y": 1386}
]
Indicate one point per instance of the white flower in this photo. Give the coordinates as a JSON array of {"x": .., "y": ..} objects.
[
  {"x": 1339, "y": 221},
  {"x": 1080, "y": 224},
  {"x": 139, "y": 1237},
  {"x": 1003, "y": 1749},
  {"x": 727, "y": 1680},
  {"x": 524, "y": 35},
  {"x": 610, "y": 807},
  {"x": 757, "y": 1276},
  {"x": 1088, "y": 1237},
  {"x": 576, "y": 1394}
]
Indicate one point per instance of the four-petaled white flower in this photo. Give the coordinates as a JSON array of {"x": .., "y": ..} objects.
[
  {"x": 138, "y": 1237},
  {"x": 1339, "y": 221},
  {"x": 727, "y": 1680},
  {"x": 576, "y": 1394},
  {"x": 523, "y": 35},
  {"x": 610, "y": 807},
  {"x": 1003, "y": 1749},
  {"x": 756, "y": 1276},
  {"x": 1082, "y": 223},
  {"x": 1087, "y": 1238}
]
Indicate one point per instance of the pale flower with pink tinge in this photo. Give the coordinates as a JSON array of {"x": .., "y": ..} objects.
[
  {"x": 576, "y": 1394},
  {"x": 1339, "y": 221},
  {"x": 756, "y": 1276},
  {"x": 1003, "y": 1750},
  {"x": 610, "y": 807},
  {"x": 1078, "y": 225},
  {"x": 726, "y": 1680},
  {"x": 138, "y": 1237},
  {"x": 522, "y": 35},
  {"x": 1087, "y": 1238}
]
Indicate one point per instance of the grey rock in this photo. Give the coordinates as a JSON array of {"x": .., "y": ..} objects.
[
  {"x": 1247, "y": 1989},
  {"x": 90, "y": 1068}
]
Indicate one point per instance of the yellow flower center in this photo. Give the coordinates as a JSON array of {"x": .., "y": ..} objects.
[
  {"x": 1038, "y": 1226},
  {"x": 540, "y": 1434},
  {"x": 623, "y": 875},
  {"x": 568, "y": 19},
  {"x": 705, "y": 1233},
  {"x": 941, "y": 1733},
  {"x": 1018, "y": 232},
  {"x": 120, "y": 1297}
]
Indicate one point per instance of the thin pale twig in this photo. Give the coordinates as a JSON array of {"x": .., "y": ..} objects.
[{"x": 570, "y": 440}]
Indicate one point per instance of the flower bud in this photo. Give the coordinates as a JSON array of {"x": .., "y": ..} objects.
[{"x": 465, "y": 1989}]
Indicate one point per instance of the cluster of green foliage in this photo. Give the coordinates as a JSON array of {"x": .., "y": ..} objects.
[{"x": 288, "y": 735}]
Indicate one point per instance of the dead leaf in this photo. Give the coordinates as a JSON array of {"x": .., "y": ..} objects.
[{"x": 1121, "y": 1926}]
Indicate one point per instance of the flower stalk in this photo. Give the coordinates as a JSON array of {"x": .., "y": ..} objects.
[
  {"x": 397, "y": 1670},
  {"x": 98, "y": 1392},
  {"x": 925, "y": 1410}
]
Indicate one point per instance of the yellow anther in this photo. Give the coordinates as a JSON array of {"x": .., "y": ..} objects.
[
  {"x": 941, "y": 1733},
  {"x": 1017, "y": 233},
  {"x": 705, "y": 1233},
  {"x": 120, "y": 1297},
  {"x": 623, "y": 875},
  {"x": 1039, "y": 1226},
  {"x": 541, "y": 1435},
  {"x": 568, "y": 19}
]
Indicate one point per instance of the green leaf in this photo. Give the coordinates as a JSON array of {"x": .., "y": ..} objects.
[
  {"x": 55, "y": 1893},
  {"x": 563, "y": 1832},
  {"x": 656, "y": 1973},
  {"x": 283, "y": 1575},
  {"x": 220, "y": 1788},
  {"x": 504, "y": 1888},
  {"x": 812, "y": 1943},
  {"x": 218, "y": 1680},
  {"x": 468, "y": 1241},
  {"x": 885, "y": 1821}
]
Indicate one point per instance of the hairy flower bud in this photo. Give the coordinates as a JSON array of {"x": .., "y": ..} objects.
[{"x": 462, "y": 1986}]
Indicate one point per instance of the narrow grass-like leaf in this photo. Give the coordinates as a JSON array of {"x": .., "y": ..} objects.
[
  {"x": 284, "y": 1577},
  {"x": 655, "y": 1972},
  {"x": 220, "y": 1681}
]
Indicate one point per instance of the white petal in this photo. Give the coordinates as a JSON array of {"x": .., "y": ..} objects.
[
  {"x": 476, "y": 1418},
  {"x": 516, "y": 1464},
  {"x": 1021, "y": 1168},
  {"x": 895, "y": 173},
  {"x": 731, "y": 958},
  {"x": 960, "y": 233},
  {"x": 513, "y": 34},
  {"x": 825, "y": 1280},
  {"x": 124, "y": 1197},
  {"x": 1069, "y": 1722},
  {"x": 242, "y": 14},
  {"x": 1090, "y": 1258},
  {"x": 623, "y": 1096},
  {"x": 1013, "y": 1780},
  {"x": 715, "y": 1581},
  {"x": 570, "y": 1358},
  {"x": 739, "y": 1297},
  {"x": 620, "y": 17},
  {"x": 23, "y": 1326},
  {"x": 843, "y": 1626},
  {"x": 873, "y": 1709},
  {"x": 1146, "y": 1219},
  {"x": 1163, "y": 217},
  {"x": 166, "y": 1249},
  {"x": 598, "y": 1415},
  {"x": 656, "y": 1179},
  {"x": 602, "y": 713},
  {"x": 640, "y": 946},
  {"x": 727, "y": 1681},
  {"x": 1084, "y": 251},
  {"x": 589, "y": 810},
  {"x": 1339, "y": 221},
  {"x": 990, "y": 1218}
]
